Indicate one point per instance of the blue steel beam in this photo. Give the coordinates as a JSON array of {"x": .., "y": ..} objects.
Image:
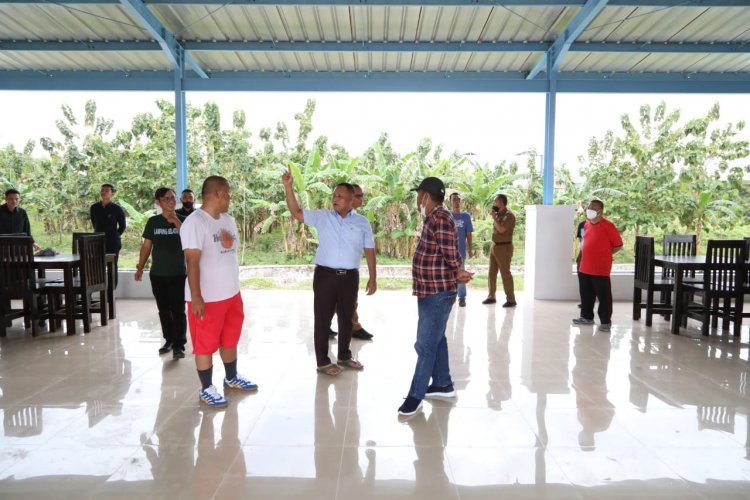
[
  {"x": 416, "y": 3},
  {"x": 562, "y": 44},
  {"x": 384, "y": 82},
  {"x": 550, "y": 113},
  {"x": 301, "y": 46},
  {"x": 180, "y": 124},
  {"x": 169, "y": 44},
  {"x": 78, "y": 46}
]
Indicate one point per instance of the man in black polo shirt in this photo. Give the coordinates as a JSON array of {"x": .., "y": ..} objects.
[
  {"x": 109, "y": 218},
  {"x": 13, "y": 219},
  {"x": 188, "y": 203}
]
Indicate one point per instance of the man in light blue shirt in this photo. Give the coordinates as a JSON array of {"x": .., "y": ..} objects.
[
  {"x": 464, "y": 230},
  {"x": 343, "y": 235}
]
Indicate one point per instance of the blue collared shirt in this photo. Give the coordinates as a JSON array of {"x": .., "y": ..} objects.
[{"x": 341, "y": 240}]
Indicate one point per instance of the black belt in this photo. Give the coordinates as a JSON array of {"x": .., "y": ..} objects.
[
  {"x": 502, "y": 242},
  {"x": 340, "y": 272}
]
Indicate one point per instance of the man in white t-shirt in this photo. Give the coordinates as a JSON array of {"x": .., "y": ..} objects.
[{"x": 214, "y": 304}]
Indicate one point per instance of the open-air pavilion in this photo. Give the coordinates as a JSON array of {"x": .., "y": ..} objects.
[{"x": 544, "y": 408}]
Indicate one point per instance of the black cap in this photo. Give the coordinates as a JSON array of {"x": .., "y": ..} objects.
[{"x": 431, "y": 185}]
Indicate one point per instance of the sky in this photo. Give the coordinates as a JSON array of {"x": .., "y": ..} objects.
[{"x": 491, "y": 127}]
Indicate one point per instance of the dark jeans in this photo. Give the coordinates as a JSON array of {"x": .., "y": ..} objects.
[
  {"x": 334, "y": 293},
  {"x": 431, "y": 345},
  {"x": 593, "y": 288},
  {"x": 169, "y": 292}
]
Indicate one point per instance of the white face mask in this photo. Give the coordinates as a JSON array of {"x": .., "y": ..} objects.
[
  {"x": 422, "y": 208},
  {"x": 591, "y": 214}
]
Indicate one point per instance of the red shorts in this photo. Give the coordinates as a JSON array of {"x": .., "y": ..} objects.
[{"x": 220, "y": 326}]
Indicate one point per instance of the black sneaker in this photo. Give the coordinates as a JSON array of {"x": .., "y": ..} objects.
[
  {"x": 462, "y": 302},
  {"x": 510, "y": 304},
  {"x": 489, "y": 301},
  {"x": 331, "y": 333},
  {"x": 178, "y": 353},
  {"x": 362, "y": 334},
  {"x": 410, "y": 407},
  {"x": 166, "y": 347},
  {"x": 434, "y": 391}
]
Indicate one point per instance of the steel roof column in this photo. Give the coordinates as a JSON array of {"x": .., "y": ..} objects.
[
  {"x": 548, "y": 178},
  {"x": 180, "y": 124}
]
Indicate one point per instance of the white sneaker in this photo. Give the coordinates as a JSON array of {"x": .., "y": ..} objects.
[{"x": 212, "y": 397}]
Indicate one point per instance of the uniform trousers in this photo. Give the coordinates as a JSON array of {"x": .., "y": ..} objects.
[{"x": 500, "y": 257}]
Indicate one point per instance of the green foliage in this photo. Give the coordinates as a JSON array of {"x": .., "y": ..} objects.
[
  {"x": 662, "y": 175},
  {"x": 658, "y": 174}
]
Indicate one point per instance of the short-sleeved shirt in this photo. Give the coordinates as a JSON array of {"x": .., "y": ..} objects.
[
  {"x": 436, "y": 258},
  {"x": 508, "y": 221},
  {"x": 463, "y": 227},
  {"x": 340, "y": 239},
  {"x": 598, "y": 241},
  {"x": 217, "y": 239},
  {"x": 167, "y": 257}
]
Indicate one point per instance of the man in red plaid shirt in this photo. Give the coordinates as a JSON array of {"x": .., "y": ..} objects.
[{"x": 436, "y": 270}]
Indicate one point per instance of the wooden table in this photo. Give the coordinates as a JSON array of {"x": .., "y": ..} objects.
[
  {"x": 66, "y": 263},
  {"x": 681, "y": 265}
]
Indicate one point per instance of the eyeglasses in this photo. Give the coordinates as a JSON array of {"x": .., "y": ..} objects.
[{"x": 168, "y": 198}]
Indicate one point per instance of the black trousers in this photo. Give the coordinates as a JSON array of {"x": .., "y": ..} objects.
[
  {"x": 169, "y": 292},
  {"x": 594, "y": 288},
  {"x": 334, "y": 293}
]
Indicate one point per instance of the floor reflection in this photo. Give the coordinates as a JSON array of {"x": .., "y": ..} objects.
[
  {"x": 544, "y": 409},
  {"x": 589, "y": 375}
]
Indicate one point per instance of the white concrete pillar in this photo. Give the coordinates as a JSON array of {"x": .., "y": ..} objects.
[{"x": 548, "y": 259}]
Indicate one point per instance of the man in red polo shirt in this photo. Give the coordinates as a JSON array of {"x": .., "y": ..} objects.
[{"x": 601, "y": 240}]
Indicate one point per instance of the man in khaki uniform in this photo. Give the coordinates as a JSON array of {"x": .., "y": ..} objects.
[{"x": 503, "y": 224}]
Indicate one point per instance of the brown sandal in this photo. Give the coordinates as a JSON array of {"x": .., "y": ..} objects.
[
  {"x": 332, "y": 369},
  {"x": 352, "y": 364}
]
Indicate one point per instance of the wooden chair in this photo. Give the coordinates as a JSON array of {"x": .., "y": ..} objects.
[
  {"x": 645, "y": 280},
  {"x": 18, "y": 282},
  {"x": 74, "y": 244},
  {"x": 721, "y": 292},
  {"x": 682, "y": 245},
  {"x": 92, "y": 279}
]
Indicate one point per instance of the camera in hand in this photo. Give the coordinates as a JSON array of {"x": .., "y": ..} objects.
[{"x": 495, "y": 209}]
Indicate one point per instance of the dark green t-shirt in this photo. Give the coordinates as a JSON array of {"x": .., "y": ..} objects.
[{"x": 167, "y": 258}]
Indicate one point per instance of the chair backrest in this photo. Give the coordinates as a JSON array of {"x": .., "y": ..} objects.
[
  {"x": 679, "y": 244},
  {"x": 644, "y": 261},
  {"x": 76, "y": 237},
  {"x": 92, "y": 249},
  {"x": 16, "y": 266},
  {"x": 725, "y": 261}
]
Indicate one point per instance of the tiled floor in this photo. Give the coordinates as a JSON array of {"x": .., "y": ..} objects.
[{"x": 544, "y": 410}]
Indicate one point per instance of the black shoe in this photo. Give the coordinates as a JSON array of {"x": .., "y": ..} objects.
[
  {"x": 410, "y": 407},
  {"x": 331, "y": 333},
  {"x": 178, "y": 353},
  {"x": 434, "y": 391},
  {"x": 362, "y": 334},
  {"x": 166, "y": 347},
  {"x": 462, "y": 302},
  {"x": 489, "y": 301},
  {"x": 509, "y": 304}
]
